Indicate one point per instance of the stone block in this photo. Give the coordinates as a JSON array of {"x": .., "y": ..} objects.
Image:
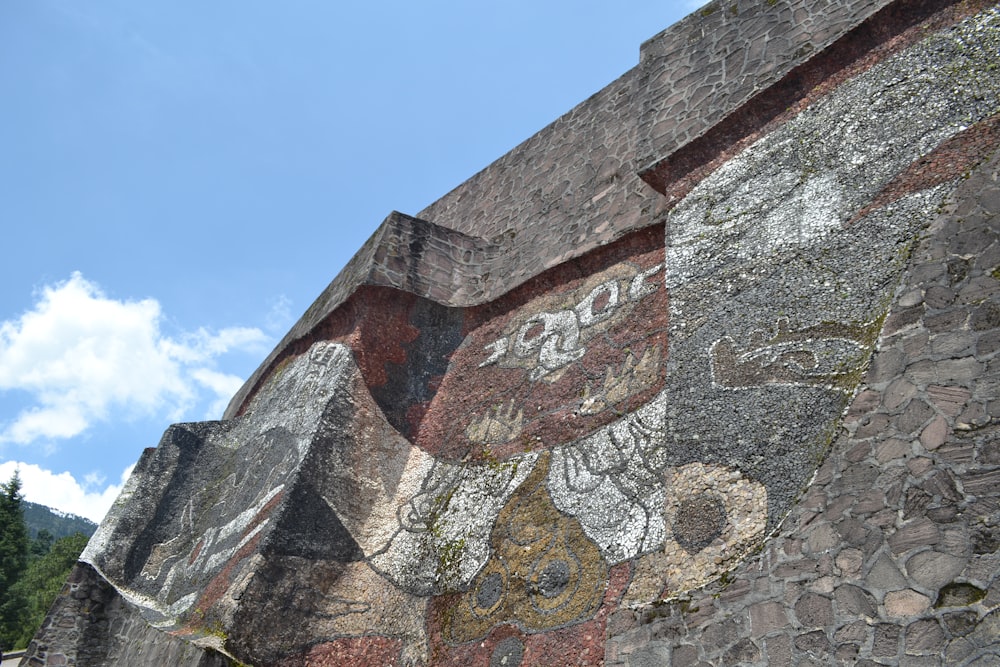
[
  {"x": 873, "y": 425},
  {"x": 939, "y": 296},
  {"x": 847, "y": 653},
  {"x": 962, "y": 372},
  {"x": 960, "y": 623},
  {"x": 959, "y": 594},
  {"x": 958, "y": 452},
  {"x": 919, "y": 532},
  {"x": 854, "y": 601},
  {"x": 766, "y": 617},
  {"x": 886, "y": 640},
  {"x": 814, "y": 610},
  {"x": 984, "y": 483},
  {"x": 884, "y": 575},
  {"x": 945, "y": 321},
  {"x": 852, "y": 632},
  {"x": 916, "y": 415},
  {"x": 743, "y": 651},
  {"x": 905, "y": 603},
  {"x": 919, "y": 465},
  {"x": 892, "y": 449},
  {"x": 919, "y": 661},
  {"x": 870, "y": 500},
  {"x": 654, "y": 654},
  {"x": 949, "y": 400},
  {"x": 866, "y": 401},
  {"x": 934, "y": 434},
  {"x": 932, "y": 569},
  {"x": 924, "y": 637},
  {"x": 685, "y": 654},
  {"x": 849, "y": 562},
  {"x": 952, "y": 344},
  {"x": 814, "y": 643},
  {"x": 898, "y": 320},
  {"x": 778, "y": 649},
  {"x": 822, "y": 538},
  {"x": 988, "y": 343}
]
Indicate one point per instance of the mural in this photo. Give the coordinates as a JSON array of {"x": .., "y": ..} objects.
[
  {"x": 620, "y": 429},
  {"x": 827, "y": 354},
  {"x": 560, "y": 356},
  {"x": 544, "y": 571}
]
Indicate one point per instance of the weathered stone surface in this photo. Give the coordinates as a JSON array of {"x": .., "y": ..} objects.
[
  {"x": 743, "y": 417},
  {"x": 920, "y": 532},
  {"x": 814, "y": 610},
  {"x": 960, "y": 623},
  {"x": 906, "y": 602},
  {"x": 932, "y": 569},
  {"x": 854, "y": 601},
  {"x": 766, "y": 617},
  {"x": 924, "y": 636},
  {"x": 934, "y": 434},
  {"x": 959, "y": 595},
  {"x": 886, "y": 641},
  {"x": 742, "y": 652}
]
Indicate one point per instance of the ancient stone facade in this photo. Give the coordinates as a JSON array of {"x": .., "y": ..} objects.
[{"x": 703, "y": 373}]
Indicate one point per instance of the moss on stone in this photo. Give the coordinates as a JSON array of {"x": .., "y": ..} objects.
[{"x": 959, "y": 594}]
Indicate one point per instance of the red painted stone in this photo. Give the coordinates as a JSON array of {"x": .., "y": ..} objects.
[
  {"x": 371, "y": 650},
  {"x": 593, "y": 321}
]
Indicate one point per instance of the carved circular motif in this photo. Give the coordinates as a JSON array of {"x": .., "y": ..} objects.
[
  {"x": 553, "y": 579},
  {"x": 490, "y": 590},
  {"x": 508, "y": 653},
  {"x": 699, "y": 520}
]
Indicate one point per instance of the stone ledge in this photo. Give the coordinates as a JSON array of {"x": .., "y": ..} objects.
[{"x": 683, "y": 128}]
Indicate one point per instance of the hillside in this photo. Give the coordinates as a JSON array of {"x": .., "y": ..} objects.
[{"x": 59, "y": 524}]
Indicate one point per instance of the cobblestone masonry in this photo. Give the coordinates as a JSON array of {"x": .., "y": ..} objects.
[
  {"x": 733, "y": 66},
  {"x": 701, "y": 69},
  {"x": 610, "y": 401},
  {"x": 98, "y": 632},
  {"x": 891, "y": 557}
]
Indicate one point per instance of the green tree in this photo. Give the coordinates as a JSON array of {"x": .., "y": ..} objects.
[
  {"x": 42, "y": 543},
  {"x": 42, "y": 582},
  {"x": 13, "y": 561}
]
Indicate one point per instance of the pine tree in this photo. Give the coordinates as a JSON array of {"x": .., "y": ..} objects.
[
  {"x": 13, "y": 561},
  {"x": 42, "y": 544},
  {"x": 42, "y": 582}
]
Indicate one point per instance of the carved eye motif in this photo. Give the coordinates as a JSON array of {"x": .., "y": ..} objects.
[
  {"x": 490, "y": 591},
  {"x": 699, "y": 520},
  {"x": 508, "y": 653},
  {"x": 552, "y": 579},
  {"x": 713, "y": 516}
]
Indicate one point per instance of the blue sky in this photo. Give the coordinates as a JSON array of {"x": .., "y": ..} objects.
[{"x": 179, "y": 180}]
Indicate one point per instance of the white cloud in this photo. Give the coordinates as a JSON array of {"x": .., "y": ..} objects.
[
  {"x": 63, "y": 492},
  {"x": 203, "y": 344},
  {"x": 279, "y": 317},
  {"x": 84, "y": 357},
  {"x": 224, "y": 386}
]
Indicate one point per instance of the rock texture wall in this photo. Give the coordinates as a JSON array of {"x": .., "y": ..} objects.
[
  {"x": 891, "y": 555},
  {"x": 702, "y": 373}
]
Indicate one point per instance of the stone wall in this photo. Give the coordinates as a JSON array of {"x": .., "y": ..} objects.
[
  {"x": 891, "y": 556},
  {"x": 90, "y": 624},
  {"x": 703, "y": 372}
]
